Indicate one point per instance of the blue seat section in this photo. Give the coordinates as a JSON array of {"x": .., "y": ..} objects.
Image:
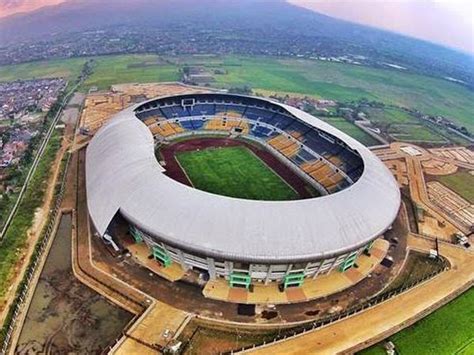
[
  {"x": 254, "y": 113},
  {"x": 351, "y": 161},
  {"x": 151, "y": 113},
  {"x": 297, "y": 126},
  {"x": 203, "y": 109},
  {"x": 179, "y": 111},
  {"x": 189, "y": 125},
  {"x": 251, "y": 114},
  {"x": 237, "y": 108},
  {"x": 281, "y": 121},
  {"x": 297, "y": 159},
  {"x": 260, "y": 131},
  {"x": 343, "y": 184},
  {"x": 144, "y": 115},
  {"x": 167, "y": 112},
  {"x": 221, "y": 108},
  {"x": 331, "y": 148},
  {"x": 198, "y": 123},
  {"x": 305, "y": 155},
  {"x": 316, "y": 143},
  {"x": 356, "y": 172}
]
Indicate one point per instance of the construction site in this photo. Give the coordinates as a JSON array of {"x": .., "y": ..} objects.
[{"x": 136, "y": 305}]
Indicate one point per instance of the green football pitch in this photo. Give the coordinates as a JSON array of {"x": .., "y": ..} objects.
[{"x": 234, "y": 172}]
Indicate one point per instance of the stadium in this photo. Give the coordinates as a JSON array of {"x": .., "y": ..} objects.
[{"x": 238, "y": 187}]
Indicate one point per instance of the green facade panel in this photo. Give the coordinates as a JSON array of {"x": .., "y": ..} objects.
[
  {"x": 348, "y": 262},
  {"x": 136, "y": 235},
  {"x": 236, "y": 279},
  {"x": 295, "y": 280},
  {"x": 369, "y": 246},
  {"x": 161, "y": 255}
]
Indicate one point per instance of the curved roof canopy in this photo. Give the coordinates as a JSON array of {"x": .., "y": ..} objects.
[{"x": 123, "y": 175}]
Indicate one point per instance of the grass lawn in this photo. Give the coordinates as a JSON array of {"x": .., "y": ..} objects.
[
  {"x": 234, "y": 172},
  {"x": 449, "y": 330},
  {"x": 352, "y": 130},
  {"x": 461, "y": 182}
]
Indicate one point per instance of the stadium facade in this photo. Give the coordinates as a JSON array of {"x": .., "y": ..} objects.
[{"x": 241, "y": 240}]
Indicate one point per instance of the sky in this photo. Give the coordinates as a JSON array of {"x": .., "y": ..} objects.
[{"x": 447, "y": 22}]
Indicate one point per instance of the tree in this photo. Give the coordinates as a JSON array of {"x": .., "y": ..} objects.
[{"x": 241, "y": 90}]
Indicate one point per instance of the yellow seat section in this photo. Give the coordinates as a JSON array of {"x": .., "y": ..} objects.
[
  {"x": 223, "y": 124},
  {"x": 284, "y": 145},
  {"x": 166, "y": 128}
]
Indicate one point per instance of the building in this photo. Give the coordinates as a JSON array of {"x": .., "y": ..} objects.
[{"x": 242, "y": 240}]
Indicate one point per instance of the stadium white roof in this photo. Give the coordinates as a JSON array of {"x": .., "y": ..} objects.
[{"x": 123, "y": 175}]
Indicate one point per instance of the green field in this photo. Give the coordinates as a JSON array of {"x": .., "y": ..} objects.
[
  {"x": 108, "y": 70},
  {"x": 449, "y": 330},
  {"x": 389, "y": 115},
  {"x": 415, "y": 133},
  {"x": 346, "y": 82},
  {"x": 234, "y": 172},
  {"x": 404, "y": 126},
  {"x": 461, "y": 182},
  {"x": 65, "y": 68},
  {"x": 352, "y": 130},
  {"x": 343, "y": 82},
  {"x": 130, "y": 69}
]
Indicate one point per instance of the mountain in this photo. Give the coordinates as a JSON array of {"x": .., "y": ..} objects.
[
  {"x": 273, "y": 23},
  {"x": 9, "y": 7},
  {"x": 81, "y": 15}
]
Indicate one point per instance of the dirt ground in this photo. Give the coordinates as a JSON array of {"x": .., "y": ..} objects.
[
  {"x": 65, "y": 315},
  {"x": 414, "y": 171},
  {"x": 101, "y": 106}
]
